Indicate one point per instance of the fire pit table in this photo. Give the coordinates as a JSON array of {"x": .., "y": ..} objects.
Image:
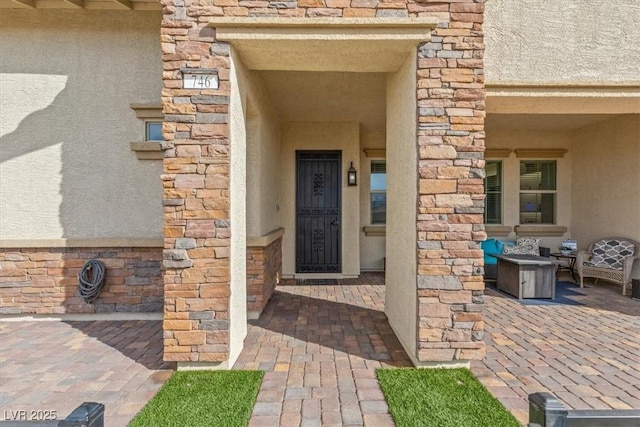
[{"x": 527, "y": 276}]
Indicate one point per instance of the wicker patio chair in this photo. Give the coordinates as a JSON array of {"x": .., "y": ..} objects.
[{"x": 610, "y": 259}]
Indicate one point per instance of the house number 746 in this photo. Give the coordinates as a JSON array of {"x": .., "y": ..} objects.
[{"x": 200, "y": 81}]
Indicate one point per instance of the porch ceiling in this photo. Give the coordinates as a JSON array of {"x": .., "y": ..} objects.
[
  {"x": 543, "y": 122},
  {"x": 567, "y": 99},
  {"x": 329, "y": 96},
  {"x": 562, "y": 108},
  {"x": 326, "y": 69},
  {"x": 321, "y": 55}
]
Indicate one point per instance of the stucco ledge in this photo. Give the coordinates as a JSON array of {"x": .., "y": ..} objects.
[
  {"x": 240, "y": 28},
  {"x": 539, "y": 230},
  {"x": 147, "y": 150},
  {"x": 266, "y": 240},
  {"x": 375, "y": 230},
  {"x": 91, "y": 242}
]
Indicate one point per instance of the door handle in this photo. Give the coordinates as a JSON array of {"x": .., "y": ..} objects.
[{"x": 335, "y": 222}]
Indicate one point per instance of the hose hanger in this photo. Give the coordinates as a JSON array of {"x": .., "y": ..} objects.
[{"x": 91, "y": 280}]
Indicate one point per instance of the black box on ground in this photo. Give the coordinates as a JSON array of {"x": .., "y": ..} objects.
[{"x": 635, "y": 289}]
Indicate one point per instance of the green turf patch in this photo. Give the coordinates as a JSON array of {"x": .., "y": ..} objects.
[
  {"x": 441, "y": 397},
  {"x": 202, "y": 398}
]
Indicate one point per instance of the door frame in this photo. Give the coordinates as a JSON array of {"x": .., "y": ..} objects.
[{"x": 339, "y": 194}]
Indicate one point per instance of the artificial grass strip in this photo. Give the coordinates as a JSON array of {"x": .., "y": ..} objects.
[
  {"x": 202, "y": 398},
  {"x": 442, "y": 398}
]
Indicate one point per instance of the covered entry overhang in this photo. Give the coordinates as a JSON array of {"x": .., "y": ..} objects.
[
  {"x": 558, "y": 100},
  {"x": 324, "y": 44},
  {"x": 592, "y": 133},
  {"x": 332, "y": 75},
  {"x": 240, "y": 143},
  {"x": 325, "y": 84}
]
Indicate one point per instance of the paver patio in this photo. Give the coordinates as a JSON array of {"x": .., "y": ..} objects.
[
  {"x": 55, "y": 366},
  {"x": 588, "y": 355},
  {"x": 317, "y": 342},
  {"x": 320, "y": 345}
]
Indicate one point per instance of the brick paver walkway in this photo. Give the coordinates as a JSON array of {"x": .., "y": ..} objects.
[
  {"x": 588, "y": 356},
  {"x": 55, "y": 366},
  {"x": 320, "y": 346}
]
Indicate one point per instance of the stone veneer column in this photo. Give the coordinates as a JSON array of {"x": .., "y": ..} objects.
[
  {"x": 196, "y": 173},
  {"x": 196, "y": 189},
  {"x": 451, "y": 101}
]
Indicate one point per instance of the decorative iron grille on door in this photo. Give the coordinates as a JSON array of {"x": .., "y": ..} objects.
[{"x": 318, "y": 211}]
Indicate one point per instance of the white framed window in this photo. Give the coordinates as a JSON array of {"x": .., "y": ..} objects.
[
  {"x": 378, "y": 190},
  {"x": 493, "y": 192},
  {"x": 538, "y": 191}
]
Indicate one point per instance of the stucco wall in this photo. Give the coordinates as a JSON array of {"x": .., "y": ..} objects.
[
  {"x": 263, "y": 160},
  {"x": 238, "y": 77},
  {"x": 606, "y": 182},
  {"x": 400, "y": 278},
  {"x": 531, "y": 139},
  {"x": 569, "y": 41},
  {"x": 321, "y": 136},
  {"x": 67, "y": 80},
  {"x": 372, "y": 248}
]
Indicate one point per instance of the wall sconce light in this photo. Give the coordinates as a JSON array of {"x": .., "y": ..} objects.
[{"x": 352, "y": 176}]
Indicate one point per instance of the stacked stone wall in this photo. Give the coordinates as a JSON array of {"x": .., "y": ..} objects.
[
  {"x": 450, "y": 92},
  {"x": 264, "y": 270},
  {"x": 451, "y": 108},
  {"x": 45, "y": 280},
  {"x": 196, "y": 188}
]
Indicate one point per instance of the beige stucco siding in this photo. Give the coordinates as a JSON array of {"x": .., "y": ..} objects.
[
  {"x": 263, "y": 160},
  {"x": 342, "y": 136},
  {"x": 606, "y": 180},
  {"x": 67, "y": 80},
  {"x": 239, "y": 80},
  {"x": 400, "y": 294},
  {"x": 569, "y": 41}
]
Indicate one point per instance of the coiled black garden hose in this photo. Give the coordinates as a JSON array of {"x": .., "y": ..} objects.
[{"x": 91, "y": 279}]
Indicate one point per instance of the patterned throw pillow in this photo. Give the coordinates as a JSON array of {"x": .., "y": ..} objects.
[
  {"x": 511, "y": 249},
  {"x": 524, "y": 246},
  {"x": 611, "y": 253}
]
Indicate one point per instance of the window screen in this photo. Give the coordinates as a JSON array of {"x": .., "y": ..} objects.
[{"x": 493, "y": 191}]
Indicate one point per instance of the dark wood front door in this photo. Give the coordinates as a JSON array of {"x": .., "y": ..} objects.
[{"x": 318, "y": 212}]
